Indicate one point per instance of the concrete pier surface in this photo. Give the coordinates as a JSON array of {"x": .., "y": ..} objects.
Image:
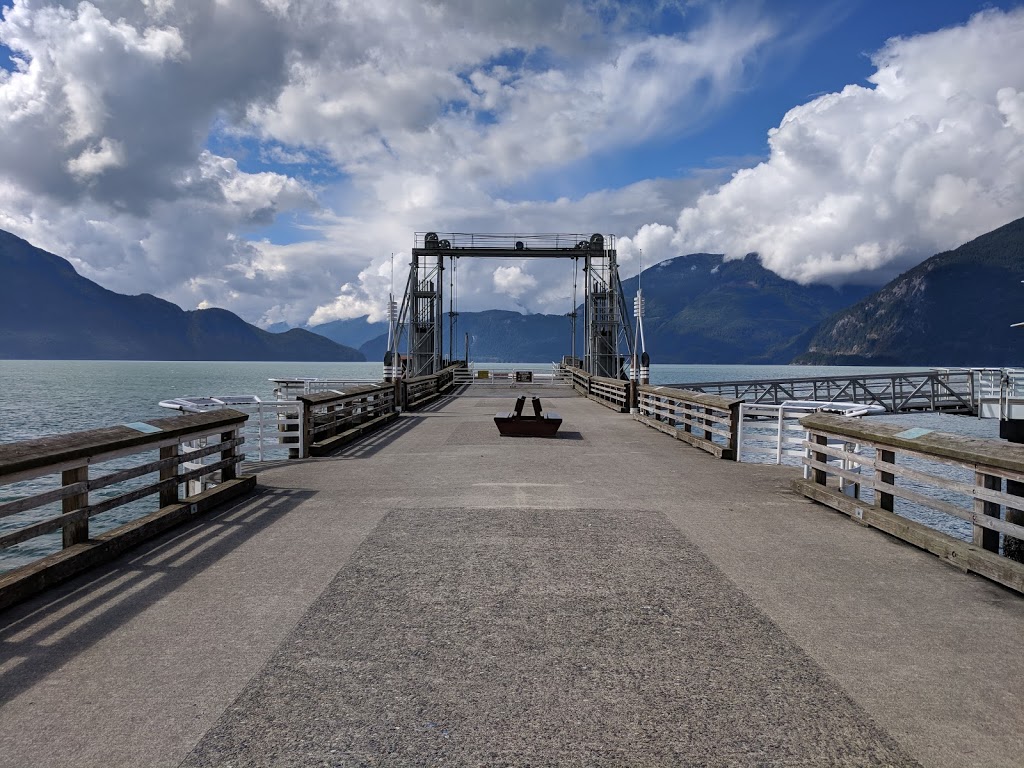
[{"x": 439, "y": 595}]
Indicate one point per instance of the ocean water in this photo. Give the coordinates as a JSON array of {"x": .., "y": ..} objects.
[{"x": 49, "y": 397}]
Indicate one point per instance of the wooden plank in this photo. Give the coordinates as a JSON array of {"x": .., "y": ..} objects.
[
  {"x": 888, "y": 489},
  {"x": 967, "y": 557},
  {"x": 995, "y": 524},
  {"x": 677, "y": 410},
  {"x": 919, "y": 498},
  {"x": 688, "y": 414},
  {"x": 720, "y": 451},
  {"x": 847, "y": 474},
  {"x": 692, "y": 422},
  {"x": 833, "y": 450},
  {"x": 60, "y": 522},
  {"x": 42, "y": 499}
]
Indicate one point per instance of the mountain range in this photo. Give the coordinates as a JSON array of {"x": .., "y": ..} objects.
[
  {"x": 699, "y": 308},
  {"x": 49, "y": 311},
  {"x": 954, "y": 309}
]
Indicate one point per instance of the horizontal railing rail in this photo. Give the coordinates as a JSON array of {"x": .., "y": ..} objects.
[
  {"x": 708, "y": 422},
  {"x": 174, "y": 467},
  {"x": 977, "y": 481}
]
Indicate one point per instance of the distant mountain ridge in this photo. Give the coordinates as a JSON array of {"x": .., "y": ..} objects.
[
  {"x": 954, "y": 309},
  {"x": 704, "y": 308},
  {"x": 49, "y": 311},
  {"x": 701, "y": 308}
]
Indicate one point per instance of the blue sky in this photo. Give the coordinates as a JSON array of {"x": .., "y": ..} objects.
[{"x": 269, "y": 157}]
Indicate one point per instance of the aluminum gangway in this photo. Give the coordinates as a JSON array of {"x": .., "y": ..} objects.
[{"x": 945, "y": 390}]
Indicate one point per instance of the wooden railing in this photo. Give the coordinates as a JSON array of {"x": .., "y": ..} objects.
[
  {"x": 613, "y": 393},
  {"x": 56, "y": 488},
  {"x": 422, "y": 389},
  {"x": 331, "y": 419},
  {"x": 916, "y": 466},
  {"x": 708, "y": 422},
  {"x": 579, "y": 380}
]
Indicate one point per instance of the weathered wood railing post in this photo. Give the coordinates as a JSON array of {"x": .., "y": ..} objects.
[
  {"x": 170, "y": 494},
  {"x": 820, "y": 476},
  {"x": 76, "y": 533},
  {"x": 886, "y": 500},
  {"x": 229, "y": 472},
  {"x": 1013, "y": 548},
  {"x": 1012, "y": 430},
  {"x": 307, "y": 428},
  {"x": 985, "y": 537}
]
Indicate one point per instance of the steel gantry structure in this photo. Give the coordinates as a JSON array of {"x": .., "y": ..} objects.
[{"x": 419, "y": 320}]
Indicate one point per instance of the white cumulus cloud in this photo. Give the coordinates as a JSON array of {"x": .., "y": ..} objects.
[
  {"x": 864, "y": 183},
  {"x": 513, "y": 281}
]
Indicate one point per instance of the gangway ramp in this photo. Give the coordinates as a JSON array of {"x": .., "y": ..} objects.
[
  {"x": 437, "y": 594},
  {"x": 948, "y": 391}
]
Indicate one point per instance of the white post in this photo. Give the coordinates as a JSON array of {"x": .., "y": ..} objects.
[
  {"x": 781, "y": 431},
  {"x": 739, "y": 433},
  {"x": 259, "y": 427}
]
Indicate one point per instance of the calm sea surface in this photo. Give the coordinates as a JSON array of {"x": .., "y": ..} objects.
[{"x": 48, "y": 397}]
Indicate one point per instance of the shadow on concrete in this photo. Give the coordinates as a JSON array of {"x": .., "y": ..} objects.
[
  {"x": 47, "y": 631},
  {"x": 379, "y": 439},
  {"x": 439, "y": 404}
]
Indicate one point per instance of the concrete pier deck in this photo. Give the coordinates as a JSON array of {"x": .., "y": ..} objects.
[{"x": 439, "y": 595}]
